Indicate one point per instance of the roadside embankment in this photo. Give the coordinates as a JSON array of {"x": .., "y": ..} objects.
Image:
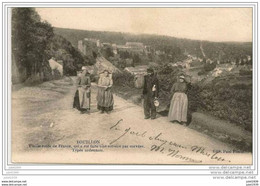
[{"x": 202, "y": 122}]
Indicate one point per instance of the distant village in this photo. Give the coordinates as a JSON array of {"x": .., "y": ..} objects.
[
  {"x": 191, "y": 63},
  {"x": 129, "y": 46}
]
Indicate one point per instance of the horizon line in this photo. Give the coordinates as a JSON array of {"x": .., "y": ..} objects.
[{"x": 134, "y": 33}]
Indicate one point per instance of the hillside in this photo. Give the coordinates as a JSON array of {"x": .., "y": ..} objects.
[
  {"x": 157, "y": 42},
  {"x": 170, "y": 45},
  {"x": 73, "y": 60}
]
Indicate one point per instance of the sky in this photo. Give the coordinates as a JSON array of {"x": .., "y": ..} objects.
[{"x": 212, "y": 24}]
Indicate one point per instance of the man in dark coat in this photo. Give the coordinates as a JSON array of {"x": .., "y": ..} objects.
[{"x": 150, "y": 93}]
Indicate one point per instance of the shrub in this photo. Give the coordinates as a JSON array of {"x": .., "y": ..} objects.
[
  {"x": 56, "y": 74},
  {"x": 123, "y": 79},
  {"x": 225, "y": 101},
  {"x": 209, "y": 67},
  {"x": 243, "y": 72},
  {"x": 202, "y": 72}
]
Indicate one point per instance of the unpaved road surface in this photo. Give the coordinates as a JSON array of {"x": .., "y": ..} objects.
[{"x": 45, "y": 128}]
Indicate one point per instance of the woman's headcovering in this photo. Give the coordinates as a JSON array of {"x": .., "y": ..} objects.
[
  {"x": 181, "y": 77},
  {"x": 83, "y": 68}
]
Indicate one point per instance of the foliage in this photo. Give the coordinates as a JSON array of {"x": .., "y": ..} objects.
[
  {"x": 136, "y": 59},
  {"x": 167, "y": 75},
  {"x": 170, "y": 45},
  {"x": 30, "y": 38},
  {"x": 227, "y": 52},
  {"x": 34, "y": 43},
  {"x": 207, "y": 67},
  {"x": 56, "y": 74},
  {"x": 73, "y": 60},
  {"x": 245, "y": 72},
  {"x": 123, "y": 79},
  {"x": 174, "y": 48},
  {"x": 107, "y": 52},
  {"x": 202, "y": 72},
  {"x": 124, "y": 54},
  {"x": 221, "y": 98},
  {"x": 210, "y": 66}
]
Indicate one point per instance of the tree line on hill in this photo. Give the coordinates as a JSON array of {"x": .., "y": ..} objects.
[
  {"x": 173, "y": 49},
  {"x": 34, "y": 43}
]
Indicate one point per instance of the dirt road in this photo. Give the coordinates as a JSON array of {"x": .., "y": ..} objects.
[{"x": 45, "y": 128}]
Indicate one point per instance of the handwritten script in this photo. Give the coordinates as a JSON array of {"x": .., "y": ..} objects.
[{"x": 167, "y": 147}]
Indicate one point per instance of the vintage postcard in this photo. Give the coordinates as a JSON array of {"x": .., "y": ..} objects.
[{"x": 169, "y": 86}]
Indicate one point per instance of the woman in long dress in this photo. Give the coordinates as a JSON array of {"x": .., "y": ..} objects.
[
  {"x": 179, "y": 102},
  {"x": 105, "y": 99},
  {"x": 82, "y": 95}
]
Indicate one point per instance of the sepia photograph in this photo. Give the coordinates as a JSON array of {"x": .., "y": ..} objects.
[{"x": 132, "y": 85}]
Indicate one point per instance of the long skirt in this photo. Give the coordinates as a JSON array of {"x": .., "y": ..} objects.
[
  {"x": 76, "y": 100},
  {"x": 179, "y": 107},
  {"x": 82, "y": 99},
  {"x": 105, "y": 100}
]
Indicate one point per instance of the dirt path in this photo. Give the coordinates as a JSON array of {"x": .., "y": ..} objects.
[{"x": 45, "y": 128}]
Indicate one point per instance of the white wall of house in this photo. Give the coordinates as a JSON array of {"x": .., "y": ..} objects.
[{"x": 55, "y": 65}]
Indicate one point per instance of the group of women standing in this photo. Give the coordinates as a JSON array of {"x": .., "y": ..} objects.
[
  {"x": 104, "y": 98},
  {"x": 178, "y": 104}
]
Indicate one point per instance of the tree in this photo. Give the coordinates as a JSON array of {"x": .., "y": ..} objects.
[
  {"x": 30, "y": 37},
  {"x": 34, "y": 43},
  {"x": 136, "y": 59},
  {"x": 209, "y": 67},
  {"x": 107, "y": 52}
]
